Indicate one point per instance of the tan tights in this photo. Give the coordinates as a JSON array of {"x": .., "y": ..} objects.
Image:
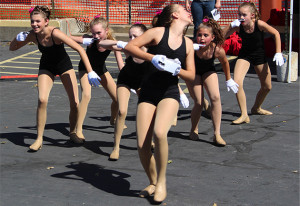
[
  {"x": 45, "y": 84},
  {"x": 155, "y": 122},
  {"x": 210, "y": 82},
  {"x": 108, "y": 84},
  {"x": 264, "y": 74},
  {"x": 123, "y": 94}
]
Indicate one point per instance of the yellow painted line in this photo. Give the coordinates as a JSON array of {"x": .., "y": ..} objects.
[
  {"x": 17, "y": 62},
  {"x": 17, "y": 57},
  {"x": 185, "y": 90},
  {"x": 31, "y": 58},
  {"x": 4, "y": 66},
  {"x": 17, "y": 73}
]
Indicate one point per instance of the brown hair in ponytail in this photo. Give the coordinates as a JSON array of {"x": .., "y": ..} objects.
[{"x": 215, "y": 29}]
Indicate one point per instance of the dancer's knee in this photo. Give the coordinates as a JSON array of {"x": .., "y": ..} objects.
[
  {"x": 86, "y": 96},
  {"x": 160, "y": 134},
  {"x": 266, "y": 88},
  {"x": 122, "y": 113},
  {"x": 215, "y": 99},
  {"x": 42, "y": 102}
]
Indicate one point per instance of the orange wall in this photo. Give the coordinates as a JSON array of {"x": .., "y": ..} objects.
[{"x": 266, "y": 6}]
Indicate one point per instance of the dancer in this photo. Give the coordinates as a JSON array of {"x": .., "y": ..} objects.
[
  {"x": 97, "y": 55},
  {"x": 54, "y": 61},
  {"x": 159, "y": 96},
  {"x": 251, "y": 30},
  {"x": 208, "y": 47},
  {"x": 130, "y": 77}
]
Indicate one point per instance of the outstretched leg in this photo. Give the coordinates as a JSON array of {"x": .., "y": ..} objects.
[
  {"x": 86, "y": 91},
  {"x": 110, "y": 86},
  {"x": 144, "y": 128},
  {"x": 264, "y": 74},
  {"x": 123, "y": 94},
  {"x": 45, "y": 84},
  {"x": 196, "y": 92},
  {"x": 240, "y": 70},
  {"x": 165, "y": 112},
  {"x": 211, "y": 84},
  {"x": 69, "y": 81}
]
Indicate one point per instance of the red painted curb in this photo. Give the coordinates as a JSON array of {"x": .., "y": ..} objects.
[{"x": 19, "y": 76}]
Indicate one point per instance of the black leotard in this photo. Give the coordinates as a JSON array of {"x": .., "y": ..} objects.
[
  {"x": 158, "y": 85},
  {"x": 252, "y": 46},
  {"x": 54, "y": 58},
  {"x": 96, "y": 58},
  {"x": 132, "y": 73},
  {"x": 205, "y": 65}
]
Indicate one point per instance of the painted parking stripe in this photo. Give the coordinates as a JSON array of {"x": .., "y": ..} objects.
[
  {"x": 17, "y": 57},
  {"x": 31, "y": 68}
]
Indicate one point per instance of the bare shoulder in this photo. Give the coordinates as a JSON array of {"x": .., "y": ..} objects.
[
  {"x": 189, "y": 43},
  {"x": 219, "y": 51}
]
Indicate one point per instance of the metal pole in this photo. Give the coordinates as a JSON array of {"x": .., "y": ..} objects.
[
  {"x": 53, "y": 9},
  {"x": 107, "y": 10},
  {"x": 290, "y": 42},
  {"x": 129, "y": 10}
]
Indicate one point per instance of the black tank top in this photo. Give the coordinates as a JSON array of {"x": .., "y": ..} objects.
[
  {"x": 252, "y": 42},
  {"x": 157, "y": 78},
  {"x": 96, "y": 58},
  {"x": 205, "y": 65},
  {"x": 133, "y": 68},
  {"x": 52, "y": 54}
]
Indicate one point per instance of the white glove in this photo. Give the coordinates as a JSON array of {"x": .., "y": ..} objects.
[
  {"x": 162, "y": 63},
  {"x": 232, "y": 85},
  {"x": 121, "y": 44},
  {"x": 159, "y": 61},
  {"x": 279, "y": 59},
  {"x": 88, "y": 41},
  {"x": 172, "y": 65},
  {"x": 22, "y": 36},
  {"x": 235, "y": 23},
  {"x": 94, "y": 79},
  {"x": 198, "y": 46},
  {"x": 184, "y": 101},
  {"x": 133, "y": 91}
]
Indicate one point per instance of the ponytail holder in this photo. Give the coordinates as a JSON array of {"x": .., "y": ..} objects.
[
  {"x": 30, "y": 10},
  {"x": 138, "y": 22},
  {"x": 97, "y": 16},
  {"x": 158, "y": 12},
  {"x": 205, "y": 20}
]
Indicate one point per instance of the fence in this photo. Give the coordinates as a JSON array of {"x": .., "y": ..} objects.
[{"x": 116, "y": 11}]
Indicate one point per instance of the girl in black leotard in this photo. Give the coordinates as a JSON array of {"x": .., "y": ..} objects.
[
  {"x": 209, "y": 40},
  {"x": 97, "y": 55},
  {"x": 130, "y": 77},
  {"x": 251, "y": 30},
  {"x": 54, "y": 61},
  {"x": 159, "y": 97}
]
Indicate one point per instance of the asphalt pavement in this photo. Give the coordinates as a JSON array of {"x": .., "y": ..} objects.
[{"x": 259, "y": 166}]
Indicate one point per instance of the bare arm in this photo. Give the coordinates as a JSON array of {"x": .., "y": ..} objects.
[
  {"x": 227, "y": 31},
  {"x": 218, "y": 4},
  {"x": 79, "y": 39},
  {"x": 110, "y": 45},
  {"x": 60, "y": 36},
  {"x": 150, "y": 37},
  {"x": 189, "y": 73},
  {"x": 187, "y": 5},
  {"x": 263, "y": 26},
  {"x": 15, "y": 45},
  {"x": 221, "y": 55},
  {"x": 119, "y": 59}
]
